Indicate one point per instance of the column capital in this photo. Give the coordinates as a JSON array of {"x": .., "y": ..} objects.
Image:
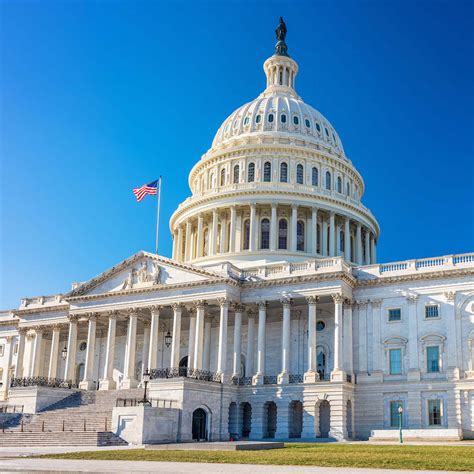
[
  {"x": 313, "y": 299},
  {"x": 450, "y": 295},
  {"x": 73, "y": 318},
  {"x": 286, "y": 301},
  {"x": 9, "y": 339},
  {"x": 92, "y": 316},
  {"x": 412, "y": 299},
  {"x": 191, "y": 310},
  {"x": 39, "y": 329},
  {"x": 57, "y": 327},
  {"x": 262, "y": 305},
  {"x": 155, "y": 307},
  {"x": 376, "y": 303},
  {"x": 223, "y": 302},
  {"x": 177, "y": 306},
  {"x": 113, "y": 314},
  {"x": 132, "y": 312},
  {"x": 361, "y": 303},
  {"x": 337, "y": 298},
  {"x": 273, "y": 205},
  {"x": 22, "y": 331},
  {"x": 250, "y": 311},
  {"x": 349, "y": 302},
  {"x": 146, "y": 323},
  {"x": 238, "y": 307},
  {"x": 199, "y": 304}
]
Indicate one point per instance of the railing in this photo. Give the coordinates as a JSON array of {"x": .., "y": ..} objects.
[
  {"x": 269, "y": 379},
  {"x": 324, "y": 377},
  {"x": 154, "y": 402},
  {"x": 41, "y": 382},
  {"x": 241, "y": 381},
  {"x": 296, "y": 378},
  {"x": 11, "y": 408},
  {"x": 196, "y": 374}
]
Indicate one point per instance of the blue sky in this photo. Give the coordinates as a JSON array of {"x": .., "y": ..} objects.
[{"x": 99, "y": 97}]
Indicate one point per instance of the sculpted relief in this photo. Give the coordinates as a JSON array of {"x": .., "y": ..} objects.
[{"x": 143, "y": 276}]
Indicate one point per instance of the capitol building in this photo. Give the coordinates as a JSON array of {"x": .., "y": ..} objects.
[{"x": 272, "y": 319}]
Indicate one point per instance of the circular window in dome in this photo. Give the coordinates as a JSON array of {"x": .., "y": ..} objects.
[
  {"x": 306, "y": 122},
  {"x": 283, "y": 118},
  {"x": 270, "y": 118},
  {"x": 320, "y": 326},
  {"x": 318, "y": 127},
  {"x": 296, "y": 120},
  {"x": 82, "y": 346},
  {"x": 258, "y": 118}
]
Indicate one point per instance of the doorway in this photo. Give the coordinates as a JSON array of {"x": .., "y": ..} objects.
[{"x": 199, "y": 430}]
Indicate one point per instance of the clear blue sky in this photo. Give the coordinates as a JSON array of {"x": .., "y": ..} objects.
[{"x": 99, "y": 97}]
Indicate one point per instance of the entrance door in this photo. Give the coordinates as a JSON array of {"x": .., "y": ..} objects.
[
  {"x": 199, "y": 425},
  {"x": 324, "y": 418}
]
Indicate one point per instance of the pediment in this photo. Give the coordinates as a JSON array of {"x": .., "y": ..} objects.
[{"x": 142, "y": 271}]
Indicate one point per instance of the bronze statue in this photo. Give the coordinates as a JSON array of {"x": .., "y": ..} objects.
[{"x": 281, "y": 30}]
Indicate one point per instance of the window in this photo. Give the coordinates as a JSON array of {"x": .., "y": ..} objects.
[
  {"x": 251, "y": 173},
  {"x": 265, "y": 234},
  {"x": 328, "y": 180},
  {"x": 222, "y": 177},
  {"x": 300, "y": 236},
  {"x": 246, "y": 121},
  {"x": 318, "y": 127},
  {"x": 334, "y": 137},
  {"x": 258, "y": 118},
  {"x": 283, "y": 118},
  {"x": 431, "y": 311},
  {"x": 307, "y": 123},
  {"x": 348, "y": 189},
  {"x": 314, "y": 176},
  {"x": 394, "y": 415},
  {"x": 341, "y": 241},
  {"x": 435, "y": 414},
  {"x": 432, "y": 359},
  {"x": 236, "y": 173},
  {"x": 327, "y": 132},
  {"x": 246, "y": 234},
  {"x": 300, "y": 174},
  {"x": 2, "y": 350},
  {"x": 395, "y": 361},
  {"x": 270, "y": 118},
  {"x": 320, "y": 326},
  {"x": 339, "y": 184},
  {"x": 282, "y": 234},
  {"x": 15, "y": 349},
  {"x": 267, "y": 171},
  {"x": 394, "y": 314},
  {"x": 284, "y": 173},
  {"x": 296, "y": 120}
]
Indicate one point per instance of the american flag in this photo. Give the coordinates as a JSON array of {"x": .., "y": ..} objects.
[{"x": 142, "y": 191}]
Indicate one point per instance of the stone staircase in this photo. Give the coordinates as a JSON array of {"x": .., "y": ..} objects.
[{"x": 82, "y": 419}]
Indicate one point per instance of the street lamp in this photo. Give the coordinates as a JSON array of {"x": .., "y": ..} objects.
[
  {"x": 146, "y": 379},
  {"x": 400, "y": 422},
  {"x": 168, "y": 339},
  {"x": 64, "y": 353}
]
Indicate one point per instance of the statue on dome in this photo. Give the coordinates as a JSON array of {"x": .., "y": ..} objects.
[{"x": 281, "y": 30}]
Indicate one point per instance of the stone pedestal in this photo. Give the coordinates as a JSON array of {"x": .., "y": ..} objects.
[
  {"x": 311, "y": 377},
  {"x": 129, "y": 383},
  {"x": 107, "y": 384},
  {"x": 338, "y": 376},
  {"x": 257, "y": 379},
  {"x": 469, "y": 374},
  {"x": 87, "y": 385},
  {"x": 283, "y": 378}
]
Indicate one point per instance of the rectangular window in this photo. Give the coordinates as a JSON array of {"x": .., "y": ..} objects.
[
  {"x": 2, "y": 349},
  {"x": 431, "y": 311},
  {"x": 435, "y": 412},
  {"x": 395, "y": 361},
  {"x": 394, "y": 314},
  {"x": 432, "y": 359},
  {"x": 394, "y": 415}
]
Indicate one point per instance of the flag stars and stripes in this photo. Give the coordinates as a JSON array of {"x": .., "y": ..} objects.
[{"x": 142, "y": 191}]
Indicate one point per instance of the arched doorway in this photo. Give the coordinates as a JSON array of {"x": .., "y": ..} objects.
[
  {"x": 199, "y": 428},
  {"x": 183, "y": 366},
  {"x": 246, "y": 419},
  {"x": 324, "y": 418},
  {"x": 270, "y": 419},
  {"x": 233, "y": 421},
  {"x": 349, "y": 419},
  {"x": 321, "y": 362},
  {"x": 295, "y": 419},
  {"x": 79, "y": 373}
]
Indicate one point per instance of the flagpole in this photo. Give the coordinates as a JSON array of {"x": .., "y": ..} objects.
[{"x": 158, "y": 214}]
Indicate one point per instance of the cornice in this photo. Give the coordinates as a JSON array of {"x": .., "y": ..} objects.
[
  {"x": 9, "y": 322},
  {"x": 47, "y": 309}
]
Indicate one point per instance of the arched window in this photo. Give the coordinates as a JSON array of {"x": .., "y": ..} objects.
[
  {"x": 318, "y": 127},
  {"x": 283, "y": 118},
  {"x": 270, "y": 118},
  {"x": 258, "y": 118},
  {"x": 267, "y": 171},
  {"x": 251, "y": 173},
  {"x": 265, "y": 234},
  {"x": 283, "y": 173},
  {"x": 296, "y": 120},
  {"x": 339, "y": 184},
  {"x": 307, "y": 123},
  {"x": 282, "y": 234},
  {"x": 300, "y": 236},
  {"x": 246, "y": 245},
  {"x": 236, "y": 173},
  {"x": 314, "y": 176},
  {"x": 348, "y": 189},
  {"x": 328, "y": 180},
  {"x": 205, "y": 249},
  {"x": 222, "y": 177},
  {"x": 300, "y": 174},
  {"x": 246, "y": 121}
]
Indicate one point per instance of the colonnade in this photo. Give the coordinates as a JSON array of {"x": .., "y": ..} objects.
[{"x": 272, "y": 227}]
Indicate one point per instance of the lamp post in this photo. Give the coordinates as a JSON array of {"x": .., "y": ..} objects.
[
  {"x": 400, "y": 422},
  {"x": 168, "y": 339},
  {"x": 146, "y": 379}
]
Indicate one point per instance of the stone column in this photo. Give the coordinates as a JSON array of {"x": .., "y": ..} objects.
[
  {"x": 213, "y": 236},
  {"x": 332, "y": 234},
  {"x": 233, "y": 228},
  {"x": 324, "y": 240},
  {"x": 413, "y": 358},
  {"x": 179, "y": 243},
  {"x": 314, "y": 231},
  {"x": 199, "y": 240},
  {"x": 153, "y": 345},
  {"x": 19, "y": 367},
  {"x": 262, "y": 316},
  {"x": 311, "y": 374},
  {"x": 7, "y": 355},
  {"x": 108, "y": 383},
  {"x": 337, "y": 373},
  {"x": 347, "y": 240},
  {"x": 377, "y": 352},
  {"x": 222, "y": 237},
  {"x": 238, "y": 308},
  {"x": 451, "y": 343},
  {"x": 367, "y": 247},
  {"x": 187, "y": 248},
  {"x": 206, "y": 358},
  {"x": 358, "y": 244},
  {"x": 69, "y": 373},
  {"x": 146, "y": 346},
  {"x": 294, "y": 221},
  {"x": 176, "y": 341},
  {"x": 372, "y": 249},
  {"x": 222, "y": 350},
  {"x": 53, "y": 358},
  {"x": 348, "y": 337},
  {"x": 249, "y": 372},
  {"x": 191, "y": 337},
  {"x": 253, "y": 226},
  {"x": 284, "y": 375},
  {"x": 199, "y": 334},
  {"x": 129, "y": 380},
  {"x": 36, "y": 354},
  {"x": 273, "y": 228},
  {"x": 88, "y": 382},
  {"x": 362, "y": 319}
]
